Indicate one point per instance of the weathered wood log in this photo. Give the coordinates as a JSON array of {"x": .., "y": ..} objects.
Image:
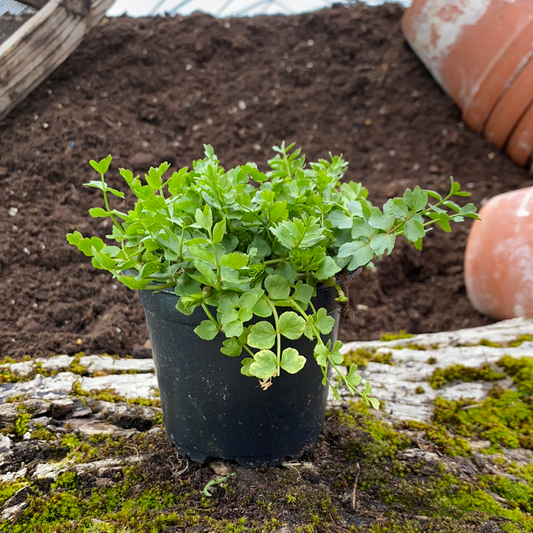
[
  {"x": 36, "y": 4},
  {"x": 42, "y": 44}
]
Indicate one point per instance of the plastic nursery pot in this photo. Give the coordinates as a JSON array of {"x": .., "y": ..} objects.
[
  {"x": 475, "y": 49},
  {"x": 210, "y": 410},
  {"x": 499, "y": 256}
]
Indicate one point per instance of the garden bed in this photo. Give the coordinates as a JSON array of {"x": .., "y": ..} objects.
[{"x": 148, "y": 90}]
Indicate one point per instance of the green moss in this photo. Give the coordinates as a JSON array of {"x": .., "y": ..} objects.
[
  {"x": 521, "y": 370},
  {"x": 7, "y": 490},
  {"x": 362, "y": 356},
  {"x": 432, "y": 360},
  {"x": 415, "y": 346},
  {"x": 17, "y": 398},
  {"x": 41, "y": 433},
  {"x": 110, "y": 395},
  {"x": 439, "y": 435},
  {"x": 76, "y": 367},
  {"x": 442, "y": 376},
  {"x": 7, "y": 376},
  {"x": 21, "y": 422},
  {"x": 420, "y": 390},
  {"x": 520, "y": 340},
  {"x": 402, "y": 334},
  {"x": 503, "y": 418},
  {"x": 489, "y": 343},
  {"x": 384, "y": 441}
]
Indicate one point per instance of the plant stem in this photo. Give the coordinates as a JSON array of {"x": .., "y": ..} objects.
[
  {"x": 278, "y": 334},
  {"x": 106, "y": 202}
]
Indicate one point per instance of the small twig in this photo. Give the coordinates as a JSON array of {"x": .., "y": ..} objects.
[
  {"x": 74, "y": 450},
  {"x": 474, "y": 406},
  {"x": 109, "y": 123},
  {"x": 354, "y": 493}
]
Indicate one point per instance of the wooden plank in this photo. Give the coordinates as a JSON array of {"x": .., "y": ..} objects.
[
  {"x": 34, "y": 51},
  {"x": 36, "y": 4}
]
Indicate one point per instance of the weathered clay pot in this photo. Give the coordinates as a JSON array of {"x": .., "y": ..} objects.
[
  {"x": 481, "y": 54},
  {"x": 499, "y": 256}
]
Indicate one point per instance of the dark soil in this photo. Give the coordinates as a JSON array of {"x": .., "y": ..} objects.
[{"x": 148, "y": 90}]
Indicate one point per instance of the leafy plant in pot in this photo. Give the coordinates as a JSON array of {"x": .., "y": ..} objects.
[{"x": 238, "y": 272}]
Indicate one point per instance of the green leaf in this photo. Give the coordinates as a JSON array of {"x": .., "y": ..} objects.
[
  {"x": 153, "y": 178},
  {"x": 204, "y": 218},
  {"x": 262, "y": 335},
  {"x": 335, "y": 355},
  {"x": 262, "y": 248},
  {"x": 236, "y": 260},
  {"x": 228, "y": 301},
  {"x": 197, "y": 252},
  {"x": 265, "y": 365},
  {"x": 303, "y": 293},
  {"x": 382, "y": 242},
  {"x": 231, "y": 348},
  {"x": 233, "y": 328},
  {"x": 443, "y": 220},
  {"x": 302, "y": 232},
  {"x": 245, "y": 370},
  {"x": 291, "y": 325},
  {"x": 103, "y": 166},
  {"x": 360, "y": 253},
  {"x": 245, "y": 314},
  {"x": 353, "y": 378},
  {"x": 328, "y": 269},
  {"x": 374, "y": 402},
  {"x": 469, "y": 210},
  {"x": 340, "y": 220},
  {"x": 219, "y": 230},
  {"x": 98, "y": 212},
  {"x": 209, "y": 277},
  {"x": 278, "y": 287},
  {"x": 321, "y": 354},
  {"x": 416, "y": 199},
  {"x": 228, "y": 316},
  {"x": 286, "y": 270},
  {"x": 262, "y": 308},
  {"x": 207, "y": 330},
  {"x": 250, "y": 298},
  {"x": 323, "y": 322},
  {"x": 291, "y": 361},
  {"x": 414, "y": 230},
  {"x": 361, "y": 228},
  {"x": 380, "y": 221},
  {"x": 396, "y": 207}
]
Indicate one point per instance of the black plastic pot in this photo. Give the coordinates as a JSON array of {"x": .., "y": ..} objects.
[{"x": 211, "y": 410}]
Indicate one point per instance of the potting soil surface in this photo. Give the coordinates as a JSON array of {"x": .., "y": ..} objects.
[{"x": 341, "y": 80}]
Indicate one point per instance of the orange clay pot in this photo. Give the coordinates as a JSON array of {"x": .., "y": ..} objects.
[
  {"x": 510, "y": 108},
  {"x": 499, "y": 256},
  {"x": 520, "y": 146},
  {"x": 475, "y": 49}
]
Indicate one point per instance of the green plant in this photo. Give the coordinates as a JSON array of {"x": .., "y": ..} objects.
[{"x": 243, "y": 244}]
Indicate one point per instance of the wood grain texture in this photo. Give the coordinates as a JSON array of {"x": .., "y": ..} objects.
[{"x": 42, "y": 44}]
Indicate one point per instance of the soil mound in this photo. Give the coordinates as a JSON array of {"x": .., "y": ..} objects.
[{"x": 148, "y": 90}]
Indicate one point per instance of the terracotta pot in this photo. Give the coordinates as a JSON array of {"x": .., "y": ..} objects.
[
  {"x": 499, "y": 256},
  {"x": 499, "y": 77},
  {"x": 474, "y": 48},
  {"x": 510, "y": 108},
  {"x": 520, "y": 146}
]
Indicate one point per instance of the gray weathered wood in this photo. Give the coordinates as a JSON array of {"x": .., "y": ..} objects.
[{"x": 42, "y": 44}]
